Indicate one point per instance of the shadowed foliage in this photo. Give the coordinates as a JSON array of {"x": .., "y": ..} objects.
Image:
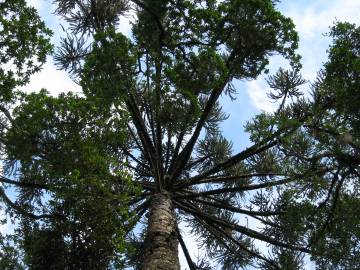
[{"x": 104, "y": 179}]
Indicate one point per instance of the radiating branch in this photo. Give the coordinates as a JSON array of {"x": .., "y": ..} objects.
[
  {"x": 189, "y": 261},
  {"x": 179, "y": 142},
  {"x": 22, "y": 211},
  {"x": 149, "y": 149},
  {"x": 216, "y": 230},
  {"x": 184, "y": 156},
  {"x": 249, "y": 152},
  {"x": 243, "y": 247},
  {"x": 140, "y": 197},
  {"x": 128, "y": 153},
  {"x": 257, "y": 148},
  {"x": 233, "y": 209},
  {"x": 222, "y": 179},
  {"x": 241, "y": 229},
  {"x": 146, "y": 185},
  {"x": 237, "y": 189},
  {"x": 139, "y": 211},
  {"x": 195, "y": 162},
  {"x": 23, "y": 184}
]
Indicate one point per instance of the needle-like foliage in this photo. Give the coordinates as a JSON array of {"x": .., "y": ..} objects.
[{"x": 143, "y": 144}]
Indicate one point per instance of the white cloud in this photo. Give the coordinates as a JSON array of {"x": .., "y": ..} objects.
[
  {"x": 312, "y": 20},
  {"x": 316, "y": 18},
  {"x": 35, "y": 3},
  {"x": 257, "y": 93},
  {"x": 53, "y": 80},
  {"x": 125, "y": 23}
]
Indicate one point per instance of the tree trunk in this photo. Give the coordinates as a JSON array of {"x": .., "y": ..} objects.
[{"x": 161, "y": 244}]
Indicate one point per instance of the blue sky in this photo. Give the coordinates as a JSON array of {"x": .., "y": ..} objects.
[{"x": 312, "y": 20}]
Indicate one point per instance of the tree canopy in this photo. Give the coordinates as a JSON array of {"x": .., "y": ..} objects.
[{"x": 104, "y": 178}]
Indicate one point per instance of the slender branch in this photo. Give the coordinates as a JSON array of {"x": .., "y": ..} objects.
[
  {"x": 158, "y": 142},
  {"x": 185, "y": 154},
  {"x": 238, "y": 210},
  {"x": 253, "y": 214},
  {"x": 139, "y": 212},
  {"x": 211, "y": 228},
  {"x": 168, "y": 146},
  {"x": 137, "y": 170},
  {"x": 332, "y": 210},
  {"x": 222, "y": 179},
  {"x": 323, "y": 203},
  {"x": 195, "y": 162},
  {"x": 144, "y": 137},
  {"x": 136, "y": 140},
  {"x": 140, "y": 127},
  {"x": 23, "y": 184},
  {"x": 7, "y": 114},
  {"x": 128, "y": 153},
  {"x": 251, "y": 252},
  {"x": 267, "y": 222},
  {"x": 21, "y": 211},
  {"x": 241, "y": 229},
  {"x": 177, "y": 148},
  {"x": 146, "y": 185},
  {"x": 156, "y": 18},
  {"x": 140, "y": 197},
  {"x": 141, "y": 206},
  {"x": 189, "y": 261},
  {"x": 237, "y": 189},
  {"x": 149, "y": 114},
  {"x": 251, "y": 151}
]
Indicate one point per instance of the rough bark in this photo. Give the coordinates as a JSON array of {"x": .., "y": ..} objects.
[{"x": 161, "y": 244}]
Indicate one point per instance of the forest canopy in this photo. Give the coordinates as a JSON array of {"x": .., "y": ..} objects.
[{"x": 109, "y": 178}]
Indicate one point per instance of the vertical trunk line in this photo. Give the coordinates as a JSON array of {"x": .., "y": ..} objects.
[{"x": 161, "y": 244}]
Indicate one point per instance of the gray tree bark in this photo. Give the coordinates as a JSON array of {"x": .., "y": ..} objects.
[{"x": 161, "y": 244}]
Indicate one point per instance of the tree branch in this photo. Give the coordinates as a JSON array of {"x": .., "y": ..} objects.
[
  {"x": 168, "y": 146},
  {"x": 253, "y": 150},
  {"x": 221, "y": 179},
  {"x": 144, "y": 137},
  {"x": 210, "y": 227},
  {"x": 23, "y": 184},
  {"x": 236, "y": 209},
  {"x": 237, "y": 189},
  {"x": 146, "y": 185},
  {"x": 183, "y": 157},
  {"x": 156, "y": 18},
  {"x": 177, "y": 149},
  {"x": 190, "y": 263},
  {"x": 21, "y": 211},
  {"x": 7, "y": 114},
  {"x": 135, "y": 159},
  {"x": 241, "y": 229}
]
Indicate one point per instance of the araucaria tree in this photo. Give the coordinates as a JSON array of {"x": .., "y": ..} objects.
[{"x": 142, "y": 144}]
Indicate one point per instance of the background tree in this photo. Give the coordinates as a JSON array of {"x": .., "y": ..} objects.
[
  {"x": 62, "y": 178},
  {"x": 149, "y": 118},
  {"x": 322, "y": 209}
]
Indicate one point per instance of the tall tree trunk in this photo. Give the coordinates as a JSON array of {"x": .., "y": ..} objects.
[{"x": 161, "y": 244}]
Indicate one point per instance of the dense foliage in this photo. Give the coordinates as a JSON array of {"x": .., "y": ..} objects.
[{"x": 85, "y": 170}]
